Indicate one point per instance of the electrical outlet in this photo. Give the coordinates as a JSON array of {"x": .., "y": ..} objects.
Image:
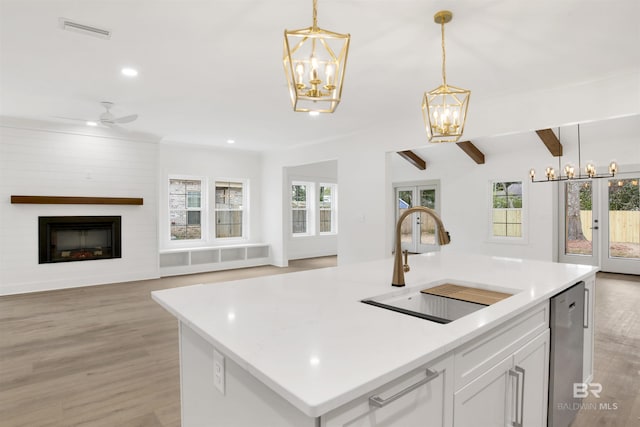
[{"x": 218, "y": 371}]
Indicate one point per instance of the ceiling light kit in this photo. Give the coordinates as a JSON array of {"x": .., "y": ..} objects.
[
  {"x": 570, "y": 170},
  {"x": 444, "y": 109},
  {"x": 314, "y": 62}
]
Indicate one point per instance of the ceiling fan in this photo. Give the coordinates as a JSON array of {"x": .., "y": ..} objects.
[{"x": 107, "y": 118}]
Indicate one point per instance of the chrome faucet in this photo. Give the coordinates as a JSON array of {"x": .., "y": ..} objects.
[{"x": 399, "y": 268}]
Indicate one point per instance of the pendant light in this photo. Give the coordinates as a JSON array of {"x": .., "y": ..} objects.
[
  {"x": 444, "y": 109},
  {"x": 314, "y": 63},
  {"x": 570, "y": 170}
]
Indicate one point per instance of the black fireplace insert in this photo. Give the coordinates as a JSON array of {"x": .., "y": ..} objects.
[{"x": 78, "y": 238}]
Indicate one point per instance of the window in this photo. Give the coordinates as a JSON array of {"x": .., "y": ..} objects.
[
  {"x": 185, "y": 209},
  {"x": 301, "y": 197},
  {"x": 229, "y": 209},
  {"x": 328, "y": 211},
  {"x": 507, "y": 209}
]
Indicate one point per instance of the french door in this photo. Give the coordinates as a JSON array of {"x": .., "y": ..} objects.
[
  {"x": 600, "y": 223},
  {"x": 418, "y": 231}
]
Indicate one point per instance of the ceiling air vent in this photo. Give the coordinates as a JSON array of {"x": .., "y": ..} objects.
[{"x": 68, "y": 24}]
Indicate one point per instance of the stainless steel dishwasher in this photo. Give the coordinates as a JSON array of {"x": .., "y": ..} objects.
[{"x": 565, "y": 361}]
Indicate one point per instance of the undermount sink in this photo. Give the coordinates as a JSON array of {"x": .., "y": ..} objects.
[{"x": 441, "y": 302}]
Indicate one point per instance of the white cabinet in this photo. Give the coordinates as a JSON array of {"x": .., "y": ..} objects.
[
  {"x": 512, "y": 392},
  {"x": 483, "y": 402},
  {"x": 531, "y": 363},
  {"x": 420, "y": 398},
  {"x": 589, "y": 306}
]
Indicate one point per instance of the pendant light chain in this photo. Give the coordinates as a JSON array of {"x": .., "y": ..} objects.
[
  {"x": 579, "y": 154},
  {"x": 315, "y": 15},
  {"x": 444, "y": 57}
]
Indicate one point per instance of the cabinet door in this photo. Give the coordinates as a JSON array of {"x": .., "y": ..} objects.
[
  {"x": 417, "y": 399},
  {"x": 531, "y": 364},
  {"x": 486, "y": 401},
  {"x": 589, "y": 308}
]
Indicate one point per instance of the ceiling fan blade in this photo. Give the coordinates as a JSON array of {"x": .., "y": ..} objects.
[
  {"x": 71, "y": 118},
  {"x": 126, "y": 119}
]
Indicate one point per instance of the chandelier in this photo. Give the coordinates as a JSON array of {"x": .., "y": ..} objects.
[
  {"x": 444, "y": 109},
  {"x": 314, "y": 63},
  {"x": 570, "y": 171}
]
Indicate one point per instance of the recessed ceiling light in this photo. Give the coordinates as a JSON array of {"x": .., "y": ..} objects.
[
  {"x": 314, "y": 113},
  {"x": 231, "y": 141},
  {"x": 129, "y": 72},
  {"x": 92, "y": 123}
]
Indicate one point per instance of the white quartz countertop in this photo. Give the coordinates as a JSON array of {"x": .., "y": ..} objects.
[{"x": 307, "y": 336}]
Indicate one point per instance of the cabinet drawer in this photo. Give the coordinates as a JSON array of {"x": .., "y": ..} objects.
[
  {"x": 429, "y": 403},
  {"x": 479, "y": 355}
]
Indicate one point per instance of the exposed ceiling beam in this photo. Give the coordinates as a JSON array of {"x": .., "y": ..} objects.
[
  {"x": 551, "y": 141},
  {"x": 472, "y": 151},
  {"x": 414, "y": 159}
]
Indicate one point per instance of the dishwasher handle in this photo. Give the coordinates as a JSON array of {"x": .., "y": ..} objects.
[
  {"x": 586, "y": 307},
  {"x": 379, "y": 402}
]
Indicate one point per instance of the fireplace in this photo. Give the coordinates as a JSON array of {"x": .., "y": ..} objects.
[{"x": 78, "y": 238}]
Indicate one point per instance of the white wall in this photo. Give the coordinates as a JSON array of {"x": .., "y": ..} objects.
[
  {"x": 317, "y": 245},
  {"x": 212, "y": 164},
  {"x": 64, "y": 163}
]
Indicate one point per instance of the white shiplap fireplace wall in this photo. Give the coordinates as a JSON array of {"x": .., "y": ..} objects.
[{"x": 61, "y": 162}]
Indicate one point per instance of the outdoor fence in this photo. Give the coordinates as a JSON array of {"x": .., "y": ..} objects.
[{"x": 624, "y": 226}]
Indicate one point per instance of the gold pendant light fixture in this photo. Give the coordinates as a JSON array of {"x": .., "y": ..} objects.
[
  {"x": 570, "y": 170},
  {"x": 314, "y": 63},
  {"x": 444, "y": 109}
]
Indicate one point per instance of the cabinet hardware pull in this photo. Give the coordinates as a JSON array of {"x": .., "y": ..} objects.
[
  {"x": 586, "y": 308},
  {"x": 379, "y": 402},
  {"x": 519, "y": 391},
  {"x": 522, "y": 371}
]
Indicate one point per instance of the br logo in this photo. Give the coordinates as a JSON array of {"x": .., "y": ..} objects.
[{"x": 581, "y": 390}]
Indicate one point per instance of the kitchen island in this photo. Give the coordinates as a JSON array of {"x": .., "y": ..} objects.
[{"x": 301, "y": 349}]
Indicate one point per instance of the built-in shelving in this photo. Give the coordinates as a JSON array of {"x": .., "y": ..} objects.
[{"x": 199, "y": 260}]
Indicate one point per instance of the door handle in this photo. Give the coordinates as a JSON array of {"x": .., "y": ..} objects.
[
  {"x": 379, "y": 402},
  {"x": 518, "y": 422}
]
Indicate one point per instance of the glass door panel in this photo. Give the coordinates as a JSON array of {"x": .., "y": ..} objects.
[
  {"x": 578, "y": 225},
  {"x": 622, "y": 227},
  {"x": 624, "y": 218},
  {"x": 427, "y": 224},
  {"x": 578, "y": 218},
  {"x": 405, "y": 198}
]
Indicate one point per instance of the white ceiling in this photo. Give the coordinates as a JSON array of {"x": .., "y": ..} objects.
[{"x": 211, "y": 70}]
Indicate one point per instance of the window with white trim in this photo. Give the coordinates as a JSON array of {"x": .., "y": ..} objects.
[
  {"x": 301, "y": 208},
  {"x": 185, "y": 208},
  {"x": 327, "y": 203},
  {"x": 229, "y": 210},
  {"x": 506, "y": 212}
]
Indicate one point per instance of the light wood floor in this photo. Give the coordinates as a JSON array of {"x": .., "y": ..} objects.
[
  {"x": 108, "y": 355},
  {"x": 99, "y": 356}
]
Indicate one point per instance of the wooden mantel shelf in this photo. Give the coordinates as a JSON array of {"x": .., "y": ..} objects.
[{"x": 67, "y": 200}]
